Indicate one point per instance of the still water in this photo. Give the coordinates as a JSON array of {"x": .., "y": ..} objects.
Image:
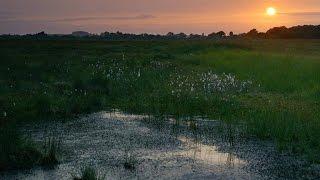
[{"x": 165, "y": 148}]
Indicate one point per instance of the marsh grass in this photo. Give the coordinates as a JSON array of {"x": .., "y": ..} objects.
[
  {"x": 19, "y": 152},
  {"x": 130, "y": 162},
  {"x": 273, "y": 89},
  {"x": 16, "y": 152},
  {"x": 89, "y": 173},
  {"x": 50, "y": 155}
]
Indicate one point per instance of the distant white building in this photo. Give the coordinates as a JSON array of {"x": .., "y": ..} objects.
[{"x": 80, "y": 33}]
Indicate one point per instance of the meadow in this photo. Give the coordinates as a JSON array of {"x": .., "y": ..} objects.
[{"x": 271, "y": 86}]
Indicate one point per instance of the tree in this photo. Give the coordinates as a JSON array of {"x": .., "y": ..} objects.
[
  {"x": 221, "y": 34},
  {"x": 181, "y": 35},
  {"x": 212, "y": 35},
  {"x": 278, "y": 32},
  {"x": 253, "y": 33},
  {"x": 170, "y": 34}
]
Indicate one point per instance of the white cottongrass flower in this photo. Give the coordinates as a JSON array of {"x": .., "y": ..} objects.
[{"x": 207, "y": 83}]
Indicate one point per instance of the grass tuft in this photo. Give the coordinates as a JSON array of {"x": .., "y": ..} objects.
[
  {"x": 16, "y": 152},
  {"x": 130, "y": 162},
  {"x": 89, "y": 173},
  {"x": 50, "y": 155}
]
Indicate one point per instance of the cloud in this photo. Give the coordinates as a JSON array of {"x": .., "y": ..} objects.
[
  {"x": 4, "y": 12},
  {"x": 302, "y": 13},
  {"x": 4, "y": 15},
  {"x": 7, "y": 18},
  {"x": 139, "y": 17}
]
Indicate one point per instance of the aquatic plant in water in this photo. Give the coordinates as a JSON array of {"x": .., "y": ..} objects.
[
  {"x": 50, "y": 154},
  {"x": 89, "y": 173}
]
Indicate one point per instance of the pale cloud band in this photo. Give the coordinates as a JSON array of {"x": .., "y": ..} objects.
[
  {"x": 302, "y": 13},
  {"x": 139, "y": 17},
  {"x": 74, "y": 19}
]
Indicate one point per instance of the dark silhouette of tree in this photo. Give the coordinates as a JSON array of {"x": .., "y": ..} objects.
[
  {"x": 170, "y": 34},
  {"x": 212, "y": 35},
  {"x": 278, "y": 32},
  {"x": 42, "y": 33},
  {"x": 195, "y": 37},
  {"x": 253, "y": 33},
  {"x": 221, "y": 34},
  {"x": 181, "y": 35},
  {"x": 306, "y": 32}
]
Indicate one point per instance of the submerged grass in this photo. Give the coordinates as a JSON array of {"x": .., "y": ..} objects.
[{"x": 271, "y": 85}]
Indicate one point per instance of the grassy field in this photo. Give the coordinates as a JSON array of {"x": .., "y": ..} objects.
[{"x": 273, "y": 86}]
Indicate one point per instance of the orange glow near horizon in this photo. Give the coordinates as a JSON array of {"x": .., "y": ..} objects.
[{"x": 151, "y": 16}]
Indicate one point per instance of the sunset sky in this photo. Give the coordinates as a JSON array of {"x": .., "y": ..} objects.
[{"x": 152, "y": 16}]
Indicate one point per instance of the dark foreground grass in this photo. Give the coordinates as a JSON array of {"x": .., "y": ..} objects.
[
  {"x": 271, "y": 85},
  {"x": 18, "y": 152}
]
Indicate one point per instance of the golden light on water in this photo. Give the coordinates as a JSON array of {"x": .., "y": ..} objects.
[{"x": 271, "y": 11}]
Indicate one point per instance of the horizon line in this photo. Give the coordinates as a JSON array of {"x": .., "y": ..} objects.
[{"x": 140, "y": 33}]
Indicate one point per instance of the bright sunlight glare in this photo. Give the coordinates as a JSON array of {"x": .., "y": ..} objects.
[{"x": 271, "y": 11}]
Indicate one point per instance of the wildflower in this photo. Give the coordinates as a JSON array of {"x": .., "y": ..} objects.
[{"x": 139, "y": 73}]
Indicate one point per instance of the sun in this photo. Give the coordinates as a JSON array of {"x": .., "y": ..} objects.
[{"x": 271, "y": 11}]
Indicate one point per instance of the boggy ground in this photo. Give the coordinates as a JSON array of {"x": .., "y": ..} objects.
[
  {"x": 160, "y": 149},
  {"x": 271, "y": 86}
]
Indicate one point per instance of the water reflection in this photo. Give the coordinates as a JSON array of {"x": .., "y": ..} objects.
[
  {"x": 191, "y": 133},
  {"x": 164, "y": 148},
  {"x": 116, "y": 114},
  {"x": 207, "y": 153}
]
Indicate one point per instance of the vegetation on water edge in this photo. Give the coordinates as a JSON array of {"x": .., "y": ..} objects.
[
  {"x": 18, "y": 152},
  {"x": 271, "y": 85},
  {"x": 88, "y": 173},
  {"x": 15, "y": 151}
]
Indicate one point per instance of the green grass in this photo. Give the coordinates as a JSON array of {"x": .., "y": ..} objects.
[
  {"x": 271, "y": 85},
  {"x": 15, "y": 151}
]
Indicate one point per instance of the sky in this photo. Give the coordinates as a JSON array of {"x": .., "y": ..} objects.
[{"x": 152, "y": 16}]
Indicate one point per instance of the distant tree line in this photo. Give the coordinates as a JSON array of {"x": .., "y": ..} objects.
[{"x": 296, "y": 32}]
